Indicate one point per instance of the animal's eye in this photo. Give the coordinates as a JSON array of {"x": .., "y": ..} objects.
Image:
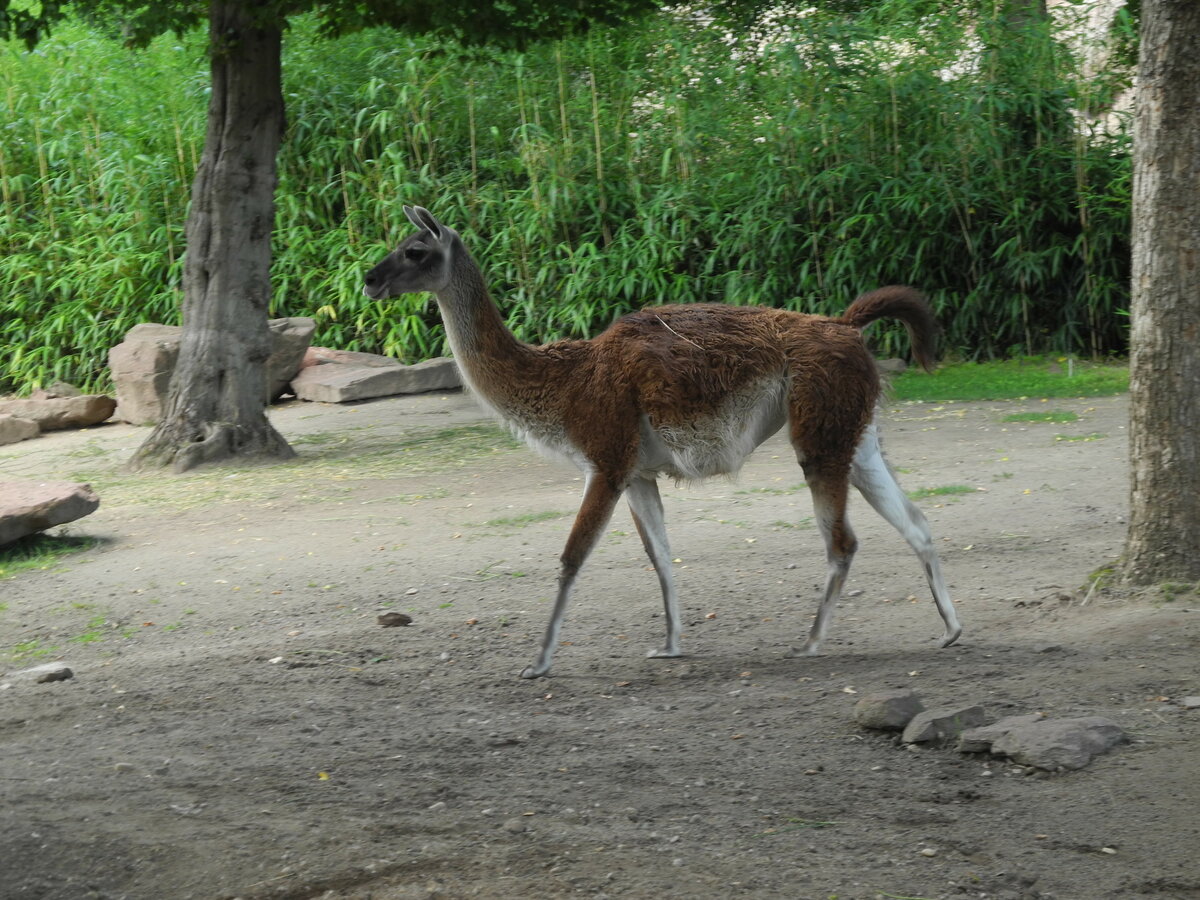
[{"x": 415, "y": 253}]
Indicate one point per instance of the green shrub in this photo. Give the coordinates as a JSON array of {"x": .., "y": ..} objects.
[{"x": 591, "y": 177}]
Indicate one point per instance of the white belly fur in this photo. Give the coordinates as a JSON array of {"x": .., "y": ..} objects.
[{"x": 717, "y": 444}]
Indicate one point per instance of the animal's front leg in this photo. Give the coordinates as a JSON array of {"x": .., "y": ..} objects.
[{"x": 599, "y": 499}]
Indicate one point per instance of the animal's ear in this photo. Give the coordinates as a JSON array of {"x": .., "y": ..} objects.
[{"x": 423, "y": 218}]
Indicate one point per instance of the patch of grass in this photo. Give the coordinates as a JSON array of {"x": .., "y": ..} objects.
[
  {"x": 91, "y": 450},
  {"x": 1070, "y": 438},
  {"x": 325, "y": 468},
  {"x": 946, "y": 490},
  {"x": 487, "y": 572},
  {"x": 802, "y": 523},
  {"x": 525, "y": 519},
  {"x": 1013, "y": 379},
  {"x": 797, "y": 825},
  {"x": 40, "y": 551},
  {"x": 1057, "y": 416},
  {"x": 31, "y": 649},
  {"x": 774, "y": 491},
  {"x": 1173, "y": 590},
  {"x": 94, "y": 633}
]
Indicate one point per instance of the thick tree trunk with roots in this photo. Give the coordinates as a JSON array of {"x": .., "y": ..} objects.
[
  {"x": 218, "y": 396},
  {"x": 1164, "y": 524}
]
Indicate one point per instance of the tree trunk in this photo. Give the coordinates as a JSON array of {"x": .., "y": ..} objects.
[
  {"x": 216, "y": 408},
  {"x": 1164, "y": 524}
]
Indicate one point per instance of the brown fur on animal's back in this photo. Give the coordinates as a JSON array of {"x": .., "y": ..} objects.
[{"x": 677, "y": 358}]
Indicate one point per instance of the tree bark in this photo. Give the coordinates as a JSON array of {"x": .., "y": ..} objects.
[
  {"x": 216, "y": 408},
  {"x": 1163, "y": 543}
]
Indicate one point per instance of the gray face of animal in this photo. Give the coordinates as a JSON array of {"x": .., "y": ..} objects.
[{"x": 421, "y": 262}]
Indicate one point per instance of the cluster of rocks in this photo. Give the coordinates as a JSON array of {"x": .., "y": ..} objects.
[
  {"x": 52, "y": 409},
  {"x": 27, "y": 507},
  {"x": 142, "y": 365},
  {"x": 1029, "y": 740}
]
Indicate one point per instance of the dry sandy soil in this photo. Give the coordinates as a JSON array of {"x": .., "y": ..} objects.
[{"x": 239, "y": 724}]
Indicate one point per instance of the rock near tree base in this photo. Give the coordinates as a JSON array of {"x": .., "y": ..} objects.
[{"x": 143, "y": 363}]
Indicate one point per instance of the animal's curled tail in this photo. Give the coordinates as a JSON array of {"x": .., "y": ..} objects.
[{"x": 903, "y": 303}]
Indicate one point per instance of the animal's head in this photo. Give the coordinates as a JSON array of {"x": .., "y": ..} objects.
[{"x": 422, "y": 262}]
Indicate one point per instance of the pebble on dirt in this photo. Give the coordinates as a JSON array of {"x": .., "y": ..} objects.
[
  {"x": 62, "y": 673},
  {"x": 45, "y": 673},
  {"x": 394, "y": 619}
]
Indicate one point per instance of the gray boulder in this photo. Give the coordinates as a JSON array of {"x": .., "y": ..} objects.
[
  {"x": 289, "y": 340},
  {"x": 56, "y": 413},
  {"x": 980, "y": 740},
  {"x": 887, "y": 710},
  {"x": 943, "y": 724},
  {"x": 141, "y": 368},
  {"x": 56, "y": 390},
  {"x": 1059, "y": 743},
  {"x": 345, "y": 377},
  {"x": 15, "y": 428},
  {"x": 317, "y": 356},
  {"x": 27, "y": 507},
  {"x": 143, "y": 363}
]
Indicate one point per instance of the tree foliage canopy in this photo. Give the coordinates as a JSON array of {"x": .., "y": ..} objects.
[{"x": 511, "y": 23}]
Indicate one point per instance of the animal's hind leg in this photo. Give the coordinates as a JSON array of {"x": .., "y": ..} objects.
[
  {"x": 599, "y": 499},
  {"x": 829, "y": 487},
  {"x": 874, "y": 479},
  {"x": 646, "y": 506}
]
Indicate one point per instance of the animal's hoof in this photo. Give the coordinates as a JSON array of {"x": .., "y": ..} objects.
[
  {"x": 664, "y": 653},
  {"x": 533, "y": 672},
  {"x": 806, "y": 650},
  {"x": 949, "y": 637}
]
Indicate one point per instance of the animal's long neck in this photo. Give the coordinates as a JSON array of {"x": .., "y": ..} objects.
[{"x": 488, "y": 354}]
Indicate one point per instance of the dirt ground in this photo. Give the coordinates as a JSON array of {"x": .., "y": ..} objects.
[{"x": 240, "y": 725}]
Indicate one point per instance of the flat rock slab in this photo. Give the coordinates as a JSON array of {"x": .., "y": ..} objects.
[
  {"x": 1054, "y": 744},
  {"x": 56, "y": 413},
  {"x": 15, "y": 428},
  {"x": 27, "y": 507},
  {"x": 887, "y": 710},
  {"x": 980, "y": 740},
  {"x": 943, "y": 724},
  {"x": 315, "y": 356},
  {"x": 380, "y": 376}
]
